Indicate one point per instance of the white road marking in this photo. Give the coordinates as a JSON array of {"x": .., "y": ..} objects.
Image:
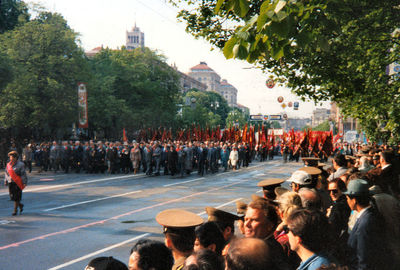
[
  {"x": 76, "y": 184},
  {"x": 122, "y": 243},
  {"x": 99, "y": 251},
  {"x": 222, "y": 205},
  {"x": 4, "y": 221},
  {"x": 177, "y": 183},
  {"x": 96, "y": 200}
]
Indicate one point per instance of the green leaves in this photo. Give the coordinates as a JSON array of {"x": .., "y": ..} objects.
[
  {"x": 47, "y": 65},
  {"x": 137, "y": 88},
  {"x": 239, "y": 7}
]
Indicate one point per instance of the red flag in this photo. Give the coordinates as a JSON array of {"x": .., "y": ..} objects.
[
  {"x": 264, "y": 134},
  {"x": 244, "y": 135},
  {"x": 164, "y": 135},
  {"x": 124, "y": 138}
]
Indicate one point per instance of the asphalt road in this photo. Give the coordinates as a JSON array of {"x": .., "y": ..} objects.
[{"x": 70, "y": 219}]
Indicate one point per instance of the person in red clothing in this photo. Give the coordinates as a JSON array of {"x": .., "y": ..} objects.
[{"x": 15, "y": 178}]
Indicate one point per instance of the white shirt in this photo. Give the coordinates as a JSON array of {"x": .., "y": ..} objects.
[
  {"x": 387, "y": 165},
  {"x": 339, "y": 172},
  {"x": 362, "y": 211}
]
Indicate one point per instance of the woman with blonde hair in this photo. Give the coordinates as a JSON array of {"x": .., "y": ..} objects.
[{"x": 287, "y": 203}]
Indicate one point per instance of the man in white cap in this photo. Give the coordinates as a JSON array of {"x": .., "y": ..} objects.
[{"x": 300, "y": 179}]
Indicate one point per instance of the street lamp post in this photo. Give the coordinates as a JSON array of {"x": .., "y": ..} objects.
[{"x": 215, "y": 106}]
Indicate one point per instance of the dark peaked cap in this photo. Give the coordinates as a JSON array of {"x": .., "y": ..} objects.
[
  {"x": 178, "y": 220},
  {"x": 256, "y": 198},
  {"x": 270, "y": 182},
  {"x": 311, "y": 161},
  {"x": 241, "y": 208},
  {"x": 311, "y": 170},
  {"x": 220, "y": 216}
]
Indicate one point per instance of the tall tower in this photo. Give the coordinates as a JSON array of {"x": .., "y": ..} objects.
[{"x": 134, "y": 38}]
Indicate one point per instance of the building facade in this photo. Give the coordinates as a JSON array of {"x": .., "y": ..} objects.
[
  {"x": 94, "y": 51},
  {"x": 297, "y": 123},
  {"x": 188, "y": 83},
  {"x": 134, "y": 38},
  {"x": 243, "y": 108},
  {"x": 229, "y": 92},
  {"x": 343, "y": 124},
  {"x": 206, "y": 75},
  {"x": 319, "y": 116}
]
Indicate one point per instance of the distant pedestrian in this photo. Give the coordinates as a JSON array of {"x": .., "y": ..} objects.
[{"x": 15, "y": 178}]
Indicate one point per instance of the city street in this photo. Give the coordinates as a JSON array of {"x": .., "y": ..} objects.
[{"x": 70, "y": 219}]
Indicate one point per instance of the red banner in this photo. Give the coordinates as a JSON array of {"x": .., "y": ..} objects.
[
  {"x": 15, "y": 177},
  {"x": 82, "y": 106}
]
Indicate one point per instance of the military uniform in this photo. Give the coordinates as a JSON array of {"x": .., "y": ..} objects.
[
  {"x": 268, "y": 186},
  {"x": 223, "y": 220},
  {"x": 180, "y": 224}
]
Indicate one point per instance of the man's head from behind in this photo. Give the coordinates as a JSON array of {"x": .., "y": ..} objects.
[
  {"x": 150, "y": 254},
  {"x": 248, "y": 253},
  {"x": 308, "y": 229}
]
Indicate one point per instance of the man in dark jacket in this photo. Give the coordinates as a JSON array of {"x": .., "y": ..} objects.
[
  {"x": 157, "y": 158},
  {"x": 338, "y": 215},
  {"x": 212, "y": 158},
  {"x": 369, "y": 250},
  {"x": 260, "y": 222},
  {"x": 389, "y": 178},
  {"x": 202, "y": 153},
  {"x": 77, "y": 156},
  {"x": 66, "y": 156},
  {"x": 172, "y": 157},
  {"x": 148, "y": 156},
  {"x": 242, "y": 155}
]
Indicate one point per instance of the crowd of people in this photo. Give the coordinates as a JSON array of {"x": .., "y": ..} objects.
[
  {"x": 175, "y": 158},
  {"x": 344, "y": 216}
]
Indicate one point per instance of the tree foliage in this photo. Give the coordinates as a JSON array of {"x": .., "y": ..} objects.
[
  {"x": 131, "y": 89},
  {"x": 12, "y": 13},
  {"x": 204, "y": 109},
  {"x": 324, "y": 126},
  {"x": 237, "y": 117},
  {"x": 47, "y": 64},
  {"x": 321, "y": 49}
]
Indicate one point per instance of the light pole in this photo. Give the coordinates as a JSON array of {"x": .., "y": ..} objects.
[{"x": 215, "y": 106}]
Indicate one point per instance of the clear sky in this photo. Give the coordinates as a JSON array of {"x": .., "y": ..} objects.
[{"x": 104, "y": 22}]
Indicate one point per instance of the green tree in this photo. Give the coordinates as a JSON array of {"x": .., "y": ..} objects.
[
  {"x": 131, "y": 89},
  {"x": 211, "y": 102},
  {"x": 41, "y": 98},
  {"x": 12, "y": 13},
  {"x": 236, "y": 117},
  {"x": 324, "y": 126},
  {"x": 336, "y": 50}
]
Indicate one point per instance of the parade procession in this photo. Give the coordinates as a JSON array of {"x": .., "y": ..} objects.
[{"x": 200, "y": 135}]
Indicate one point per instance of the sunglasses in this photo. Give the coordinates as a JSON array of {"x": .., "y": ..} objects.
[
  {"x": 286, "y": 229},
  {"x": 334, "y": 191}
]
